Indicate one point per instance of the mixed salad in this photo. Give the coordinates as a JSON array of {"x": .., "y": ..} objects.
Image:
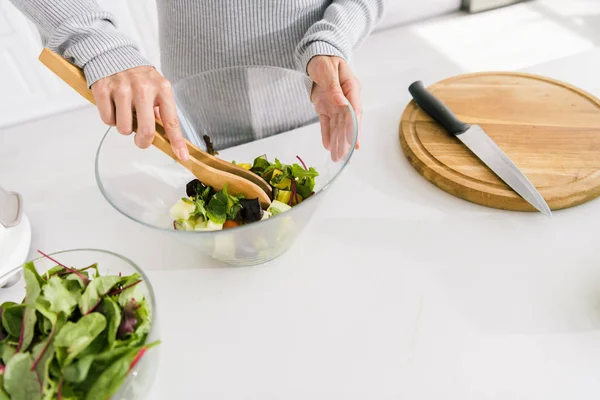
[
  {"x": 205, "y": 209},
  {"x": 76, "y": 335}
]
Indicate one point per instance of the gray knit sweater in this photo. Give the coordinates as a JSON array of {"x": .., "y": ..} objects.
[{"x": 209, "y": 35}]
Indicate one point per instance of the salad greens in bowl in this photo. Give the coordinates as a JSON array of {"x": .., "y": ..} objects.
[
  {"x": 269, "y": 128},
  {"x": 80, "y": 324}
]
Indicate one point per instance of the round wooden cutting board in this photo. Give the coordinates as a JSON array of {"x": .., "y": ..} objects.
[{"x": 549, "y": 129}]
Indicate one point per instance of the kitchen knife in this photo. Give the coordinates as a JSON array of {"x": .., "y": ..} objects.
[{"x": 481, "y": 145}]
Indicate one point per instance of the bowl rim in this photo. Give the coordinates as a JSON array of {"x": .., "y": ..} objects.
[
  {"x": 285, "y": 70},
  {"x": 145, "y": 277},
  {"x": 240, "y": 228}
]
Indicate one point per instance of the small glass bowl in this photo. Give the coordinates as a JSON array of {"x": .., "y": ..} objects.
[{"x": 139, "y": 381}]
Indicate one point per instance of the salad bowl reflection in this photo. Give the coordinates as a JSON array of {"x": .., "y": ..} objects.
[{"x": 152, "y": 189}]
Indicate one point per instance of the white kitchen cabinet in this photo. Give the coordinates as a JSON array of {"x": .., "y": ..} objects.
[{"x": 29, "y": 90}]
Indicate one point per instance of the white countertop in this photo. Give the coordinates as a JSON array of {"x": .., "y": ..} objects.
[{"x": 427, "y": 297}]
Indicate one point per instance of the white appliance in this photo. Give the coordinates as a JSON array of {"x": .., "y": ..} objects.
[{"x": 15, "y": 235}]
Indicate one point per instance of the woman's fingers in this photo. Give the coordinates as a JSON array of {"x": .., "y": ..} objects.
[
  {"x": 325, "y": 131},
  {"x": 170, "y": 120},
  {"x": 123, "y": 99},
  {"x": 149, "y": 94},
  {"x": 104, "y": 102},
  {"x": 144, "y": 110}
]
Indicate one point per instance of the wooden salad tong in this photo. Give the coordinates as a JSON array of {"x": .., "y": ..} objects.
[{"x": 209, "y": 169}]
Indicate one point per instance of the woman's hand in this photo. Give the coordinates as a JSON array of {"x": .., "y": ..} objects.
[
  {"x": 148, "y": 93},
  {"x": 334, "y": 82}
]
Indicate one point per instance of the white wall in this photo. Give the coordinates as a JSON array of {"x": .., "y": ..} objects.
[
  {"x": 28, "y": 89},
  {"x": 404, "y": 11},
  {"x": 34, "y": 92}
]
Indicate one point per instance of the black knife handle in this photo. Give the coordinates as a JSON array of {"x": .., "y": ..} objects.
[{"x": 436, "y": 109}]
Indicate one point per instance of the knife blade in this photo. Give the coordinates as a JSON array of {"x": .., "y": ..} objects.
[{"x": 475, "y": 138}]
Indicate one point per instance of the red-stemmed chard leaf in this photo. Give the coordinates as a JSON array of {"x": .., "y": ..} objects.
[
  {"x": 71, "y": 270},
  {"x": 61, "y": 273},
  {"x": 60, "y": 385},
  {"x": 117, "y": 291},
  {"x": 22, "y": 335},
  {"x": 301, "y": 162},
  {"x": 137, "y": 358},
  {"x": 37, "y": 376},
  {"x": 50, "y": 337},
  {"x": 2, "y": 368}
]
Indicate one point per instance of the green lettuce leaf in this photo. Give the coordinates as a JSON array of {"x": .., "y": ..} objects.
[
  {"x": 60, "y": 298},
  {"x": 110, "y": 380},
  {"x": 134, "y": 290},
  {"x": 94, "y": 292},
  {"x": 112, "y": 312},
  {"x": 73, "y": 338},
  {"x": 218, "y": 207},
  {"x": 12, "y": 318},
  {"x": 32, "y": 291},
  {"x": 20, "y": 381}
]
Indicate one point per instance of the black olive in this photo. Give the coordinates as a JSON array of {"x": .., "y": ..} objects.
[
  {"x": 195, "y": 187},
  {"x": 251, "y": 210}
]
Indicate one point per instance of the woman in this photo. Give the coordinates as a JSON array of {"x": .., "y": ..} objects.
[{"x": 315, "y": 37}]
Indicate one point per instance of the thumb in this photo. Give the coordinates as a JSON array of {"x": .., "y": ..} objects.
[
  {"x": 326, "y": 75},
  {"x": 334, "y": 89}
]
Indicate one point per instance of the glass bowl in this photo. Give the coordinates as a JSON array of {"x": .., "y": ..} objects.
[
  {"x": 247, "y": 112},
  {"x": 139, "y": 381}
]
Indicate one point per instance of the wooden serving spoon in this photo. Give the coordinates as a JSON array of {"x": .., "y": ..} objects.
[{"x": 209, "y": 169}]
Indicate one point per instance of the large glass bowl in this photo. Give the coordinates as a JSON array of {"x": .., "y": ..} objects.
[
  {"x": 247, "y": 112},
  {"x": 139, "y": 381}
]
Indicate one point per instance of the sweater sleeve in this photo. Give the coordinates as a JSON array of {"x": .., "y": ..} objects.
[
  {"x": 84, "y": 34},
  {"x": 345, "y": 25}
]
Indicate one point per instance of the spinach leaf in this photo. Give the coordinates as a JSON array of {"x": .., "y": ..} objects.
[
  {"x": 218, "y": 207},
  {"x": 97, "y": 346},
  {"x": 200, "y": 209},
  {"x": 305, "y": 189},
  {"x": 54, "y": 271},
  {"x": 145, "y": 316},
  {"x": 132, "y": 290},
  {"x": 260, "y": 165},
  {"x": 20, "y": 381},
  {"x": 112, "y": 312},
  {"x": 77, "y": 279},
  {"x": 111, "y": 378},
  {"x": 8, "y": 351},
  {"x": 3, "y": 394},
  {"x": 32, "y": 291},
  {"x": 73, "y": 338},
  {"x": 43, "y": 307},
  {"x": 12, "y": 318},
  {"x": 90, "y": 366},
  {"x": 60, "y": 298},
  {"x": 69, "y": 393},
  {"x": 30, "y": 266},
  {"x": 299, "y": 172},
  {"x": 94, "y": 292},
  {"x": 78, "y": 371}
]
